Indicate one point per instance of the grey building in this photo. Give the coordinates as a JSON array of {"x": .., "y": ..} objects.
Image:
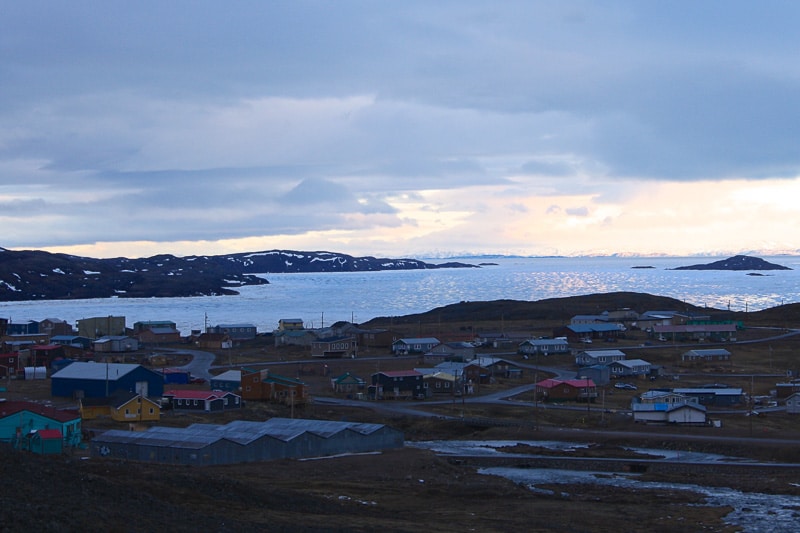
[{"x": 244, "y": 441}]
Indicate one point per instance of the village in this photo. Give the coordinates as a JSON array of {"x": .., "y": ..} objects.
[{"x": 107, "y": 389}]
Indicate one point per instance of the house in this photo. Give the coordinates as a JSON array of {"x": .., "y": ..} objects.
[
  {"x": 159, "y": 335},
  {"x": 115, "y": 344},
  {"x": 496, "y": 367},
  {"x": 695, "y": 332},
  {"x": 334, "y": 347},
  {"x": 202, "y": 401},
  {"x": 598, "y": 357},
  {"x": 557, "y": 390},
  {"x": 600, "y": 374},
  {"x": 294, "y": 337},
  {"x": 97, "y": 327},
  {"x": 176, "y": 376},
  {"x": 468, "y": 373},
  {"x": 55, "y": 326},
  {"x": 499, "y": 339},
  {"x": 629, "y": 367},
  {"x": 121, "y": 406},
  {"x": 264, "y": 385},
  {"x": 414, "y": 345},
  {"x": 214, "y": 341},
  {"x": 45, "y": 354},
  {"x": 450, "y": 351},
  {"x": 10, "y": 365},
  {"x": 713, "y": 395},
  {"x": 397, "y": 385},
  {"x": 372, "y": 338},
  {"x": 348, "y": 383},
  {"x": 784, "y": 390},
  {"x": 142, "y": 326},
  {"x": 237, "y": 332},
  {"x": 678, "y": 413},
  {"x": 44, "y": 442},
  {"x": 793, "y": 404},
  {"x": 25, "y": 327},
  {"x": 588, "y": 319},
  {"x": 97, "y": 380},
  {"x": 587, "y": 332},
  {"x": 290, "y": 324},
  {"x": 544, "y": 347},
  {"x": 15, "y": 343},
  {"x": 230, "y": 380},
  {"x": 707, "y": 355},
  {"x": 442, "y": 383},
  {"x": 74, "y": 341},
  {"x": 18, "y": 418}
]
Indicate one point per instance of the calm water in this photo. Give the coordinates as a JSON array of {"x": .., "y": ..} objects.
[{"x": 321, "y": 299}]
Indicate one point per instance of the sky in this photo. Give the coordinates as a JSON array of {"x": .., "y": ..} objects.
[{"x": 400, "y": 129}]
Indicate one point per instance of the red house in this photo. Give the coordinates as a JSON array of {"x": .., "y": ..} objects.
[{"x": 556, "y": 390}]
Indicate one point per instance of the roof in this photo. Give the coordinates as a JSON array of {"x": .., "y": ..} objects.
[
  {"x": 240, "y": 325},
  {"x": 603, "y": 353},
  {"x": 103, "y": 371},
  {"x": 196, "y": 394},
  {"x": 588, "y": 328},
  {"x": 399, "y": 373},
  {"x": 545, "y": 342},
  {"x": 708, "y": 352},
  {"x": 577, "y": 383},
  {"x": 419, "y": 340},
  {"x": 706, "y": 390},
  {"x": 59, "y": 415},
  {"x": 162, "y": 330},
  {"x": 198, "y": 436},
  {"x": 439, "y": 375},
  {"x": 696, "y": 328},
  {"x": 347, "y": 376},
  {"x": 229, "y": 375},
  {"x": 335, "y": 339},
  {"x": 49, "y": 433},
  {"x": 631, "y": 363}
]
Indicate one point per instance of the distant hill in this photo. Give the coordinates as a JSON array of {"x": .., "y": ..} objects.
[
  {"x": 38, "y": 275},
  {"x": 563, "y": 309},
  {"x": 558, "y": 309},
  {"x": 737, "y": 262}
]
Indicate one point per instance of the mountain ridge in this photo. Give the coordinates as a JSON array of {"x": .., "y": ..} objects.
[{"x": 39, "y": 275}]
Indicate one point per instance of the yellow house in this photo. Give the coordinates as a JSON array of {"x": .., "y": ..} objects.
[{"x": 122, "y": 407}]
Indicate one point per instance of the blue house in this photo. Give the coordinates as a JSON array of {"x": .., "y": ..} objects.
[{"x": 98, "y": 380}]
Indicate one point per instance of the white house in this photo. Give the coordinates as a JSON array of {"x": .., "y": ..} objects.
[
  {"x": 414, "y": 345},
  {"x": 544, "y": 346},
  {"x": 630, "y": 367},
  {"x": 598, "y": 357},
  {"x": 667, "y": 408}
]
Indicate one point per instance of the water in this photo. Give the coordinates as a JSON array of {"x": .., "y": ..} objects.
[
  {"x": 321, "y": 299},
  {"x": 752, "y": 512}
]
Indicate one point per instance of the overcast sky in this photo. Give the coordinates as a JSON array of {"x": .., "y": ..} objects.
[{"x": 400, "y": 128}]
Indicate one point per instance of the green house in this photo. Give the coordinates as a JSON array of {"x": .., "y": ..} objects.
[{"x": 19, "y": 420}]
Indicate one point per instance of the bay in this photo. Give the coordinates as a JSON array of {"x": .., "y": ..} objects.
[{"x": 320, "y": 299}]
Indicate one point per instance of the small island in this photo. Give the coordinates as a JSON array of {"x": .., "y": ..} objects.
[{"x": 737, "y": 262}]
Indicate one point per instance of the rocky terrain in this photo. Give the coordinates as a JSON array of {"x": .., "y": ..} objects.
[
  {"x": 37, "y": 275},
  {"x": 737, "y": 262}
]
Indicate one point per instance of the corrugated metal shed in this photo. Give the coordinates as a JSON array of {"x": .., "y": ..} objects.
[{"x": 246, "y": 441}]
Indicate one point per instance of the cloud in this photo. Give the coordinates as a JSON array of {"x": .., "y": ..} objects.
[{"x": 392, "y": 123}]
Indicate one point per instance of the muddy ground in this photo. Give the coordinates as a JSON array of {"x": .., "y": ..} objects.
[{"x": 399, "y": 490}]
